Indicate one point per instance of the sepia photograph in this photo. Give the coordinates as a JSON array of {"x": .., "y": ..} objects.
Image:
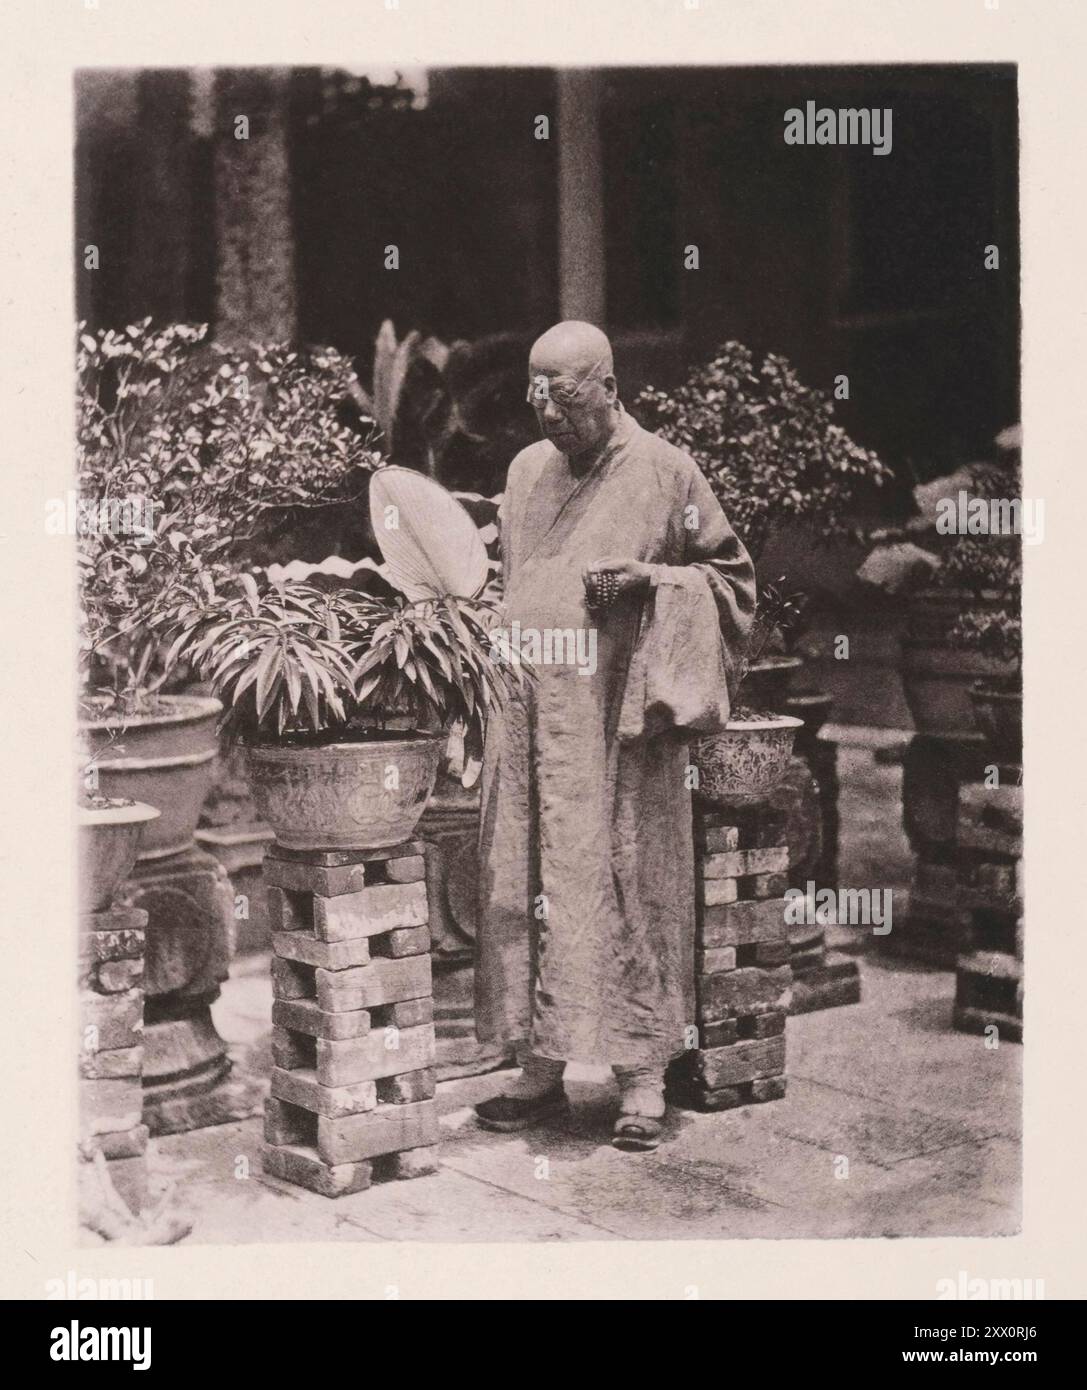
[{"x": 549, "y": 579}]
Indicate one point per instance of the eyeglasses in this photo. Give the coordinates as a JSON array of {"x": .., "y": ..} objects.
[{"x": 561, "y": 390}]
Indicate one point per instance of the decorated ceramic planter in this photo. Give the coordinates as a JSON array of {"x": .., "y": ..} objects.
[
  {"x": 998, "y": 714},
  {"x": 166, "y": 759},
  {"x": 349, "y": 795},
  {"x": 748, "y": 761},
  {"x": 109, "y": 841}
]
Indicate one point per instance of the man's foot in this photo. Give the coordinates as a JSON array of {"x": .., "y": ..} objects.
[
  {"x": 636, "y": 1133},
  {"x": 641, "y": 1108},
  {"x": 513, "y": 1112}
]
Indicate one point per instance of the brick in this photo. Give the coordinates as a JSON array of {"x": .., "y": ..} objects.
[
  {"x": 112, "y": 1063},
  {"x": 291, "y": 1049},
  {"x": 304, "y": 1016},
  {"x": 327, "y": 955},
  {"x": 750, "y": 1060},
  {"x": 410, "y": 1163},
  {"x": 743, "y": 923},
  {"x": 991, "y": 964},
  {"x": 335, "y": 858},
  {"x": 767, "y": 1025},
  {"x": 366, "y": 1059},
  {"x": 407, "y": 1087},
  {"x": 117, "y": 1019},
  {"x": 716, "y": 891},
  {"x": 991, "y": 819},
  {"x": 768, "y": 1088},
  {"x": 740, "y": 863},
  {"x": 719, "y": 1034},
  {"x": 397, "y": 945},
  {"x": 735, "y": 993},
  {"x": 768, "y": 885},
  {"x": 126, "y": 1143},
  {"x": 313, "y": 878},
  {"x": 408, "y": 1014},
  {"x": 380, "y": 982},
  {"x": 118, "y": 976},
  {"x": 303, "y": 1166},
  {"x": 771, "y": 953},
  {"x": 717, "y": 958},
  {"x": 387, "y": 1129},
  {"x": 371, "y": 912},
  {"x": 107, "y": 1106},
  {"x": 410, "y": 869},
  {"x": 301, "y": 1088},
  {"x": 288, "y": 1124},
  {"x": 292, "y": 980}
]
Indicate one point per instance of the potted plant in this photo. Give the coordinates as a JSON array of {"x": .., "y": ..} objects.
[
  {"x": 181, "y": 446},
  {"x": 997, "y": 633},
  {"x": 110, "y": 829},
  {"x": 773, "y": 455},
  {"x": 747, "y": 761},
  {"x": 940, "y": 576},
  {"x": 343, "y": 701}
]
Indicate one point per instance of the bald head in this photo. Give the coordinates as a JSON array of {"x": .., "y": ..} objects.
[
  {"x": 572, "y": 347},
  {"x": 572, "y": 389}
]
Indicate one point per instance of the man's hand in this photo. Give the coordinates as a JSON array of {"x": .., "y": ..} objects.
[{"x": 631, "y": 576}]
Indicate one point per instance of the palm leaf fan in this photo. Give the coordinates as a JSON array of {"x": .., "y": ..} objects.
[{"x": 430, "y": 545}]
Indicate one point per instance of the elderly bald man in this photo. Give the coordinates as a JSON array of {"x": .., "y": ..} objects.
[{"x": 585, "y": 950}]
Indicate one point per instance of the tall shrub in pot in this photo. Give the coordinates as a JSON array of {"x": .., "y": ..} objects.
[
  {"x": 181, "y": 446},
  {"x": 774, "y": 456}
]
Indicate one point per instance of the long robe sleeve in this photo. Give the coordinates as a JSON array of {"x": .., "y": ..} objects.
[{"x": 696, "y": 620}]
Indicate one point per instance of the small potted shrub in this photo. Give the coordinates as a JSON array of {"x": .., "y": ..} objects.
[
  {"x": 747, "y": 761},
  {"x": 181, "y": 446},
  {"x": 997, "y": 700},
  {"x": 343, "y": 701},
  {"x": 773, "y": 455}
]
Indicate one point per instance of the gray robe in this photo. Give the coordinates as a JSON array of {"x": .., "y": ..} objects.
[{"x": 586, "y": 938}]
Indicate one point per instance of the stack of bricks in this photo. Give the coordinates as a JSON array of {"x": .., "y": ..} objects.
[
  {"x": 742, "y": 972},
  {"x": 989, "y": 975},
  {"x": 352, "y": 1091},
  {"x": 111, "y": 961}
]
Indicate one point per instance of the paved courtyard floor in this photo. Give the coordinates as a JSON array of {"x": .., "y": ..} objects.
[{"x": 893, "y": 1123}]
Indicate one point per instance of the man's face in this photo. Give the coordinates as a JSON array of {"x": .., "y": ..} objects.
[{"x": 574, "y": 412}]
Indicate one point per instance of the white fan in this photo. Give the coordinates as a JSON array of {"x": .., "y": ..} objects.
[{"x": 431, "y": 546}]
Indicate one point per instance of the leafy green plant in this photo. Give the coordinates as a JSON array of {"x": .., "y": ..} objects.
[
  {"x": 767, "y": 444},
  {"x": 300, "y": 663},
  {"x": 192, "y": 442}
]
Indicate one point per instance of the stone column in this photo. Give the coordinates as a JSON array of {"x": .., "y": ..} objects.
[
  {"x": 255, "y": 285},
  {"x": 582, "y": 266}
]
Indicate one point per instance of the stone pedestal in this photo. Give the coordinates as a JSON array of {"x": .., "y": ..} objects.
[
  {"x": 742, "y": 972},
  {"x": 450, "y": 827},
  {"x": 187, "y": 1083},
  {"x": 353, "y": 1034},
  {"x": 989, "y": 973},
  {"x": 240, "y": 848},
  {"x": 934, "y": 770},
  {"x": 111, "y": 1055}
]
